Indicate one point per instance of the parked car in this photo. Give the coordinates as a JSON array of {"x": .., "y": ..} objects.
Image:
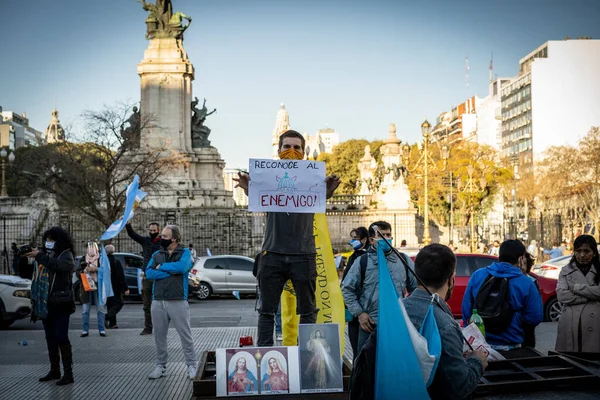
[
  {"x": 467, "y": 264},
  {"x": 14, "y": 299},
  {"x": 131, "y": 264},
  {"x": 547, "y": 275},
  {"x": 224, "y": 274}
]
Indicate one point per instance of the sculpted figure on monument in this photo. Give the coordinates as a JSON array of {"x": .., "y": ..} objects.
[
  {"x": 131, "y": 134},
  {"x": 200, "y": 132},
  {"x": 162, "y": 22}
]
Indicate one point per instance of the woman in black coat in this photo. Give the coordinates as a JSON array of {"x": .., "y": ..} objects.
[{"x": 53, "y": 301}]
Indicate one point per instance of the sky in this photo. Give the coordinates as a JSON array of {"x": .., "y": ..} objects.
[{"x": 355, "y": 66}]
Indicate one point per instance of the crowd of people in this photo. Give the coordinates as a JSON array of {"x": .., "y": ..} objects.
[{"x": 505, "y": 293}]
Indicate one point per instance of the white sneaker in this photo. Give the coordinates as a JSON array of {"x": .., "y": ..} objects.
[
  {"x": 192, "y": 372},
  {"x": 158, "y": 372},
  {"x": 279, "y": 337}
]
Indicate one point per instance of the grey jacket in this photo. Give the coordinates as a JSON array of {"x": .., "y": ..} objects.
[
  {"x": 580, "y": 318},
  {"x": 361, "y": 296},
  {"x": 455, "y": 377}
]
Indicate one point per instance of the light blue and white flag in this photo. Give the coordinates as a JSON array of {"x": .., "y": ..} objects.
[
  {"x": 208, "y": 253},
  {"x": 105, "y": 289},
  {"x": 134, "y": 196},
  {"x": 403, "y": 359}
]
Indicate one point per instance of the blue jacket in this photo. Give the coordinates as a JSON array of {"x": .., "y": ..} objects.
[
  {"x": 171, "y": 277},
  {"x": 525, "y": 299}
]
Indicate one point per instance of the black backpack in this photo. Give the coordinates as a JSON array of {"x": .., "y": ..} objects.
[{"x": 493, "y": 304}]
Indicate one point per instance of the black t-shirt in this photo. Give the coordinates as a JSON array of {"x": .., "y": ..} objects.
[{"x": 290, "y": 233}]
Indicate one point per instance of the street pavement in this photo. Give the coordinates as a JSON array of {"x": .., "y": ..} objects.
[{"x": 116, "y": 367}]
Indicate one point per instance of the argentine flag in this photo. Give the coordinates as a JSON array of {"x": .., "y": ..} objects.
[
  {"x": 134, "y": 196},
  {"x": 406, "y": 359},
  {"x": 105, "y": 289}
]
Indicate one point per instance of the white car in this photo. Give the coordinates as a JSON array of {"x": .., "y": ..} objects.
[
  {"x": 223, "y": 275},
  {"x": 14, "y": 299},
  {"x": 551, "y": 268}
]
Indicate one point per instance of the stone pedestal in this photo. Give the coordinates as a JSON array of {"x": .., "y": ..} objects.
[
  {"x": 393, "y": 193},
  {"x": 166, "y": 94}
]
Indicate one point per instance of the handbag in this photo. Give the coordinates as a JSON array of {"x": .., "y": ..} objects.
[{"x": 61, "y": 297}]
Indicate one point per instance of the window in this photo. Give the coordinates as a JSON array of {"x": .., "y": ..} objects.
[
  {"x": 462, "y": 266},
  {"x": 239, "y": 264},
  {"x": 482, "y": 262},
  {"x": 133, "y": 262},
  {"x": 214, "y": 263}
]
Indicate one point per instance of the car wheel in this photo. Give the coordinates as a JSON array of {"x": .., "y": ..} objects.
[
  {"x": 204, "y": 291},
  {"x": 553, "y": 310}
]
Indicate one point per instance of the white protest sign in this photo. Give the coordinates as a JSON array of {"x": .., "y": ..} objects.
[{"x": 296, "y": 186}]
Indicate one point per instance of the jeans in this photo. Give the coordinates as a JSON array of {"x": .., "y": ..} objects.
[
  {"x": 273, "y": 272},
  {"x": 278, "y": 320},
  {"x": 56, "y": 328},
  {"x": 100, "y": 313},
  {"x": 362, "y": 339}
]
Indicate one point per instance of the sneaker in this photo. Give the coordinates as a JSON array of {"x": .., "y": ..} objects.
[
  {"x": 114, "y": 327},
  {"x": 103, "y": 334},
  {"x": 146, "y": 332},
  {"x": 279, "y": 337},
  {"x": 84, "y": 334},
  {"x": 158, "y": 372},
  {"x": 192, "y": 372}
]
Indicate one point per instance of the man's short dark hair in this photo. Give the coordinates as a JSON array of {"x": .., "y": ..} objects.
[
  {"x": 511, "y": 251},
  {"x": 381, "y": 225},
  {"x": 154, "y": 223},
  {"x": 294, "y": 134},
  {"x": 361, "y": 232},
  {"x": 435, "y": 264}
]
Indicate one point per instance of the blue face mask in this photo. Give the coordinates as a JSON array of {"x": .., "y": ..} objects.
[
  {"x": 356, "y": 244},
  {"x": 49, "y": 245},
  {"x": 384, "y": 245}
]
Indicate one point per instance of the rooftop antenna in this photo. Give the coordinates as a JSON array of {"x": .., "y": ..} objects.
[
  {"x": 492, "y": 68},
  {"x": 467, "y": 79}
]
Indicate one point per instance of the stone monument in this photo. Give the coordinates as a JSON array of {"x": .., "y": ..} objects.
[
  {"x": 178, "y": 125},
  {"x": 282, "y": 124},
  {"x": 367, "y": 167},
  {"x": 393, "y": 191}
]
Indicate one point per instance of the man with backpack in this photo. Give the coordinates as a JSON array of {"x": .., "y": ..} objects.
[
  {"x": 360, "y": 287},
  {"x": 504, "y": 297}
]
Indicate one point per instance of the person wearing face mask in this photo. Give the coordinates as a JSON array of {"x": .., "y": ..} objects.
[
  {"x": 52, "y": 300},
  {"x": 150, "y": 245},
  {"x": 168, "y": 270},
  {"x": 578, "y": 290},
  {"x": 360, "y": 243},
  {"x": 456, "y": 377},
  {"x": 288, "y": 251},
  {"x": 362, "y": 296},
  {"x": 523, "y": 297}
]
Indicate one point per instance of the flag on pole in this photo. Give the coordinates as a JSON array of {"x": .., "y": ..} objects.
[
  {"x": 402, "y": 359},
  {"x": 105, "y": 289},
  {"x": 208, "y": 253},
  {"x": 133, "y": 199}
]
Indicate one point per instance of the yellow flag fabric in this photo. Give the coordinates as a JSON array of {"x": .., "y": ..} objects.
[{"x": 328, "y": 294}]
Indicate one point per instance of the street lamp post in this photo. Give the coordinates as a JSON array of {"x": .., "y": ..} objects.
[
  {"x": 11, "y": 157},
  {"x": 515, "y": 177},
  {"x": 428, "y": 162}
]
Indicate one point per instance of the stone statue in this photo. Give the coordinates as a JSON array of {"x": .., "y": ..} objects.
[
  {"x": 162, "y": 22},
  {"x": 131, "y": 134},
  {"x": 200, "y": 132}
]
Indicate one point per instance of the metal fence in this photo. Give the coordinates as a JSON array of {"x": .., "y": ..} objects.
[{"x": 228, "y": 232}]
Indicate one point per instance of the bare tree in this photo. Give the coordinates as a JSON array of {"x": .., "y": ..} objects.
[{"x": 90, "y": 173}]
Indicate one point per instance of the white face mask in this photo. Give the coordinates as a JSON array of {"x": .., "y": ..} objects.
[{"x": 49, "y": 245}]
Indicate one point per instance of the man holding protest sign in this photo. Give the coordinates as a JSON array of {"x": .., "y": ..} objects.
[{"x": 288, "y": 251}]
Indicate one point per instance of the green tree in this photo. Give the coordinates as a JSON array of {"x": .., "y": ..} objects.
[{"x": 343, "y": 161}]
